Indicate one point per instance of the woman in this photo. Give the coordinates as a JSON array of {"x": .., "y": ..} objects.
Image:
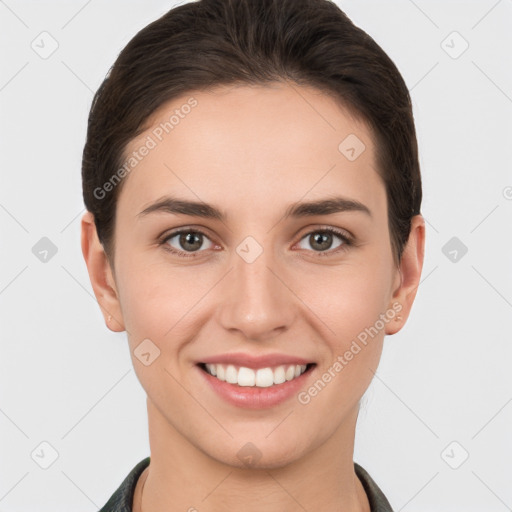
[{"x": 253, "y": 191}]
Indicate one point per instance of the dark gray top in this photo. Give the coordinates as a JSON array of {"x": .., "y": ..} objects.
[{"x": 121, "y": 500}]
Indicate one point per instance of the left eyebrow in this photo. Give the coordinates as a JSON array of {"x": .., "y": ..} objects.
[
  {"x": 329, "y": 206},
  {"x": 326, "y": 207}
]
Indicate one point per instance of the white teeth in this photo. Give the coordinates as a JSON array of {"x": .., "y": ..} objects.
[
  {"x": 261, "y": 378},
  {"x": 231, "y": 374},
  {"x": 220, "y": 371},
  {"x": 246, "y": 377},
  {"x": 279, "y": 375},
  {"x": 264, "y": 377}
]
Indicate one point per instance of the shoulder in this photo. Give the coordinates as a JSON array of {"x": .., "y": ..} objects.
[
  {"x": 377, "y": 499},
  {"x": 121, "y": 500}
]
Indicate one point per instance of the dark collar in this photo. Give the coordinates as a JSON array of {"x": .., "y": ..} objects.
[
  {"x": 378, "y": 502},
  {"x": 121, "y": 500}
]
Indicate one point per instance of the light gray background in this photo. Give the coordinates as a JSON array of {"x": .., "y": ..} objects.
[{"x": 67, "y": 380}]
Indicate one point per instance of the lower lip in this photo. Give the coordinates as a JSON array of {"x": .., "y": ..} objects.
[{"x": 252, "y": 397}]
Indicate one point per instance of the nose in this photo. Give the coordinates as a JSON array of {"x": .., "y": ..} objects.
[{"x": 256, "y": 299}]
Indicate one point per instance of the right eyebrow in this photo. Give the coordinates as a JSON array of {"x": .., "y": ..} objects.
[{"x": 326, "y": 206}]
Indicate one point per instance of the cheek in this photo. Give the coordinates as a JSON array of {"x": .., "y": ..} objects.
[
  {"x": 352, "y": 308},
  {"x": 164, "y": 303},
  {"x": 155, "y": 306},
  {"x": 151, "y": 298},
  {"x": 348, "y": 298}
]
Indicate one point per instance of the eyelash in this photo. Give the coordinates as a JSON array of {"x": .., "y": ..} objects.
[{"x": 347, "y": 241}]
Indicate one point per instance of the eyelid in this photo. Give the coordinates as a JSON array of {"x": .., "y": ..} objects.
[
  {"x": 163, "y": 239},
  {"x": 343, "y": 233},
  {"x": 347, "y": 238}
]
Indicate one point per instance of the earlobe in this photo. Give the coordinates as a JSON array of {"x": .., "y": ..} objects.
[
  {"x": 409, "y": 272},
  {"x": 100, "y": 274}
]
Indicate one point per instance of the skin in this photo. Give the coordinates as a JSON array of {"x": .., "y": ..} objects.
[{"x": 253, "y": 151}]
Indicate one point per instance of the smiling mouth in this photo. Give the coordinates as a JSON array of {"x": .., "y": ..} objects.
[{"x": 261, "y": 377}]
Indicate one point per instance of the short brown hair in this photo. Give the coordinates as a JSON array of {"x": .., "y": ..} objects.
[{"x": 207, "y": 43}]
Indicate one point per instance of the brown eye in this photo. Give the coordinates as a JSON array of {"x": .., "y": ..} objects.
[
  {"x": 186, "y": 241},
  {"x": 322, "y": 240}
]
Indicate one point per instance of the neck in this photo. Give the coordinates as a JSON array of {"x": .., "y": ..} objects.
[{"x": 318, "y": 480}]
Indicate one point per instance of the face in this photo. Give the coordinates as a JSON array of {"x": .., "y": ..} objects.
[{"x": 255, "y": 278}]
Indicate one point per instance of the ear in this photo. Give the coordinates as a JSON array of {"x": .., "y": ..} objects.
[
  {"x": 408, "y": 277},
  {"x": 101, "y": 275}
]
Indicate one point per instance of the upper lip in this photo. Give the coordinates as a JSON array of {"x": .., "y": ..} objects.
[{"x": 255, "y": 362}]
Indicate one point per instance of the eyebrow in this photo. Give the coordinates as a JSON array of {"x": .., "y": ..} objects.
[{"x": 326, "y": 206}]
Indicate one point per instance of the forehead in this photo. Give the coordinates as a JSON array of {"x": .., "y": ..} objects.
[{"x": 259, "y": 142}]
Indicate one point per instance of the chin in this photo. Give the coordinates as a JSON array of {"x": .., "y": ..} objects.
[{"x": 257, "y": 454}]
